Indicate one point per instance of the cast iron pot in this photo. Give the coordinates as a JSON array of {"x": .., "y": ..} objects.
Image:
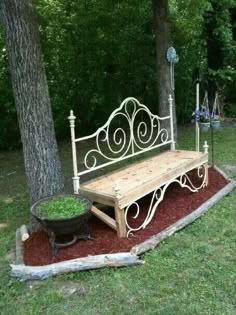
[{"x": 63, "y": 226}]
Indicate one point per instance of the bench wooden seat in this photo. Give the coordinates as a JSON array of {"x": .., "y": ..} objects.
[
  {"x": 123, "y": 188},
  {"x": 137, "y": 180}
]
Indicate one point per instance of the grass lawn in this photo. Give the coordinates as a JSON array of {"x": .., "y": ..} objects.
[{"x": 193, "y": 272}]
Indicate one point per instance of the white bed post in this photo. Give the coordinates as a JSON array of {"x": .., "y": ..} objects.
[
  {"x": 197, "y": 124},
  {"x": 74, "y": 157},
  {"x": 205, "y": 147},
  {"x": 171, "y": 122}
]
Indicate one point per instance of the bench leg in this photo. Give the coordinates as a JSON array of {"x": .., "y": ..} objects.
[{"x": 120, "y": 222}]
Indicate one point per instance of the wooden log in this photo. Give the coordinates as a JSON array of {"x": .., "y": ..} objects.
[
  {"x": 92, "y": 262},
  {"x": 24, "y": 233},
  {"x": 155, "y": 240},
  {"x": 19, "y": 249}
]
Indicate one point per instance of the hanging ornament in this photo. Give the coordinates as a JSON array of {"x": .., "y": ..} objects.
[{"x": 172, "y": 58}]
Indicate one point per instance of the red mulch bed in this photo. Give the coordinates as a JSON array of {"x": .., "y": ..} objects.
[{"x": 178, "y": 202}]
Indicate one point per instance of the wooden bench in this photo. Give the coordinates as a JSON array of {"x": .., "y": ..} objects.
[{"x": 124, "y": 188}]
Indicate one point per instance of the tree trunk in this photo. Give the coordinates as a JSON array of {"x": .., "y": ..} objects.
[
  {"x": 162, "y": 35},
  {"x": 214, "y": 46},
  {"x": 29, "y": 82}
]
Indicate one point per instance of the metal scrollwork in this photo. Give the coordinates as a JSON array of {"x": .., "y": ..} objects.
[
  {"x": 184, "y": 181},
  {"x": 121, "y": 143}
]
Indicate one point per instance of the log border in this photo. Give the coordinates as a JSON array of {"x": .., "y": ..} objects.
[
  {"x": 80, "y": 264},
  {"x": 23, "y": 272},
  {"x": 19, "y": 253}
]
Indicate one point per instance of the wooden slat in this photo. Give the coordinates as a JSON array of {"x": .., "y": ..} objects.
[
  {"x": 104, "y": 217},
  {"x": 98, "y": 197},
  {"x": 91, "y": 182},
  {"x": 150, "y": 168},
  {"x": 142, "y": 190},
  {"x": 141, "y": 178}
]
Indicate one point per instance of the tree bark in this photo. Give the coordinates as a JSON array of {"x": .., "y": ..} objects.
[
  {"x": 30, "y": 88},
  {"x": 214, "y": 47},
  {"x": 162, "y": 36}
]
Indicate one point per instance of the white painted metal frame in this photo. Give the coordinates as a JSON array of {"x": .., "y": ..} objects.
[
  {"x": 129, "y": 142},
  {"x": 158, "y": 195}
]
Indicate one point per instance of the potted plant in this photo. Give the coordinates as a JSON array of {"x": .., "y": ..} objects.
[
  {"x": 203, "y": 118},
  {"x": 62, "y": 215},
  {"x": 215, "y": 121},
  {"x": 215, "y": 116}
]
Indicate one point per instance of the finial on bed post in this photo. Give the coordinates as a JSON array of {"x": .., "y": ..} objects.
[
  {"x": 171, "y": 122},
  {"x": 205, "y": 147},
  {"x": 74, "y": 157}
]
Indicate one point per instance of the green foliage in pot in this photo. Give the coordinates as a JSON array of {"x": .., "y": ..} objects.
[{"x": 62, "y": 207}]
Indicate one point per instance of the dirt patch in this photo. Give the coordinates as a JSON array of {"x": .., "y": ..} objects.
[
  {"x": 178, "y": 203},
  {"x": 3, "y": 225},
  {"x": 69, "y": 288}
]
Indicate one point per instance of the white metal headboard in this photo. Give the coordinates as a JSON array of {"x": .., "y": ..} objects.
[{"x": 129, "y": 142}]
